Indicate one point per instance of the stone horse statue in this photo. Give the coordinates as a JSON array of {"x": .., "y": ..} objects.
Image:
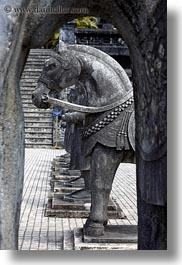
[{"x": 110, "y": 104}]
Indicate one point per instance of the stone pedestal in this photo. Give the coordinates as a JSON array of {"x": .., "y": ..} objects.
[
  {"x": 59, "y": 206},
  {"x": 122, "y": 237}
]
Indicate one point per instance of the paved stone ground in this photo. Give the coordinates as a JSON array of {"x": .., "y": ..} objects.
[{"x": 42, "y": 233}]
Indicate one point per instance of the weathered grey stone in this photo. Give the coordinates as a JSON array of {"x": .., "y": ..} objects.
[
  {"x": 11, "y": 127},
  {"x": 79, "y": 244},
  {"x": 139, "y": 23},
  {"x": 103, "y": 83},
  {"x": 115, "y": 234}
]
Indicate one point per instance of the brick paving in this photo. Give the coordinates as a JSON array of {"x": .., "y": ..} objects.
[{"x": 46, "y": 233}]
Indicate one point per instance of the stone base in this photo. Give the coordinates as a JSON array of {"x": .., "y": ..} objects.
[
  {"x": 58, "y": 207},
  {"x": 78, "y": 182},
  {"x": 115, "y": 234},
  {"x": 62, "y": 204},
  {"x": 57, "y": 182},
  {"x": 62, "y": 185},
  {"x": 115, "y": 238},
  {"x": 64, "y": 171}
]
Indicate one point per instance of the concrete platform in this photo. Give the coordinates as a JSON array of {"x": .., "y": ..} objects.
[
  {"x": 81, "y": 244},
  {"x": 38, "y": 232}
]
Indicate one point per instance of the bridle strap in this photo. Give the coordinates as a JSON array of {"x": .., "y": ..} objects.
[
  {"x": 51, "y": 84},
  {"x": 127, "y": 99}
]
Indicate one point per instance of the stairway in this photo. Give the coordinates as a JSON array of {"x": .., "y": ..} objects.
[{"x": 38, "y": 122}]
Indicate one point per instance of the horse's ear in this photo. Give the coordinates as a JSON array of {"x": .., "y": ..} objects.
[{"x": 62, "y": 46}]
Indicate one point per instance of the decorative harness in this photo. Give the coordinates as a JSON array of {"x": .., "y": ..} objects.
[
  {"x": 111, "y": 112},
  {"x": 122, "y": 136}
]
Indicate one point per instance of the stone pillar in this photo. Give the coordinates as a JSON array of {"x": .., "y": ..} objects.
[
  {"x": 150, "y": 89},
  {"x": 11, "y": 127},
  {"x": 146, "y": 35}
]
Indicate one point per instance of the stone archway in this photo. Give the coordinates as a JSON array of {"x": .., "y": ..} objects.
[{"x": 143, "y": 26}]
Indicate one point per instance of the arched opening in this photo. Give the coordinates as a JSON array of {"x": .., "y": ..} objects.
[{"x": 107, "y": 39}]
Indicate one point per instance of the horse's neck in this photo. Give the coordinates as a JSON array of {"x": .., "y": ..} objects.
[
  {"x": 101, "y": 83},
  {"x": 91, "y": 88}
]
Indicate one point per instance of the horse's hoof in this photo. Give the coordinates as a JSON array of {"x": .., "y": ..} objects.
[{"x": 93, "y": 229}]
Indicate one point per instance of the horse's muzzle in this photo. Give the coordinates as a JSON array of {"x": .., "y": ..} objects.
[
  {"x": 40, "y": 100},
  {"x": 45, "y": 98}
]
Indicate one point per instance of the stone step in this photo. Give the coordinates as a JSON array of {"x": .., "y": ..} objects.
[
  {"x": 36, "y": 120},
  {"x": 30, "y": 135},
  {"x": 35, "y": 65},
  {"x": 35, "y": 71},
  {"x": 28, "y": 80},
  {"x": 26, "y": 93},
  {"x": 39, "y": 137},
  {"x": 38, "y": 123},
  {"x": 41, "y": 121},
  {"x": 32, "y": 107},
  {"x": 28, "y": 69},
  {"x": 42, "y": 141},
  {"x": 33, "y": 110},
  {"x": 26, "y": 96},
  {"x": 38, "y": 116},
  {"x": 34, "y": 114},
  {"x": 39, "y": 55},
  {"x": 40, "y": 58},
  {"x": 40, "y": 51},
  {"x": 36, "y": 62},
  {"x": 37, "y": 128},
  {"x": 31, "y": 73},
  {"x": 32, "y": 123},
  {"x": 38, "y": 145},
  {"x": 36, "y": 57},
  {"x": 27, "y": 84},
  {"x": 27, "y": 100},
  {"x": 28, "y": 106},
  {"x": 38, "y": 133},
  {"x": 29, "y": 91}
]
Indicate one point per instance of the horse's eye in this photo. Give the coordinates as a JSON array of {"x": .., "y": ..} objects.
[{"x": 50, "y": 66}]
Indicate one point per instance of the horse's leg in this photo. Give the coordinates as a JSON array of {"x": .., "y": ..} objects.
[{"x": 104, "y": 163}]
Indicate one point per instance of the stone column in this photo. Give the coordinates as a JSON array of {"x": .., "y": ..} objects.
[
  {"x": 11, "y": 127},
  {"x": 146, "y": 34}
]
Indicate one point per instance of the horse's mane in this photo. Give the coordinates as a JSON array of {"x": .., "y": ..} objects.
[{"x": 107, "y": 59}]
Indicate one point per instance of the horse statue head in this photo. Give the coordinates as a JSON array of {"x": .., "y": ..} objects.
[
  {"x": 59, "y": 72},
  {"x": 105, "y": 83}
]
